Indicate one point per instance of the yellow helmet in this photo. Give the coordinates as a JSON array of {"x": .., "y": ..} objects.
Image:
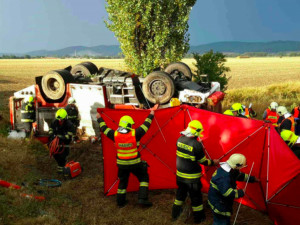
[
  {"x": 237, "y": 161},
  {"x": 195, "y": 127},
  {"x": 61, "y": 114},
  {"x": 289, "y": 136},
  {"x": 29, "y": 99},
  {"x": 238, "y": 107},
  {"x": 126, "y": 122}
]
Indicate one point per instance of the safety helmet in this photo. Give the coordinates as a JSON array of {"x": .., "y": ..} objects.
[
  {"x": 71, "y": 100},
  {"x": 61, "y": 114},
  {"x": 238, "y": 107},
  {"x": 273, "y": 105},
  {"x": 195, "y": 128},
  {"x": 281, "y": 110},
  {"x": 126, "y": 122},
  {"x": 174, "y": 102},
  {"x": 29, "y": 99},
  {"x": 237, "y": 161},
  {"x": 289, "y": 136}
]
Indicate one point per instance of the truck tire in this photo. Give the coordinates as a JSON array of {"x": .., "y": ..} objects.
[
  {"x": 158, "y": 87},
  {"x": 179, "y": 70},
  {"x": 54, "y": 84},
  {"x": 85, "y": 69}
]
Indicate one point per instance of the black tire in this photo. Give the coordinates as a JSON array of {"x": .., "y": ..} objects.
[
  {"x": 84, "y": 69},
  {"x": 179, "y": 70},
  {"x": 54, "y": 83},
  {"x": 158, "y": 87}
]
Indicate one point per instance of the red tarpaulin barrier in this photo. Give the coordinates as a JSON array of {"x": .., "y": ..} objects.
[{"x": 274, "y": 163}]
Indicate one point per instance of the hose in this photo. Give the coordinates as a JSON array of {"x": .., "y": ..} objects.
[{"x": 55, "y": 148}]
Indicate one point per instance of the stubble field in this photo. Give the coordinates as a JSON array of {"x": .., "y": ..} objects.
[{"x": 81, "y": 201}]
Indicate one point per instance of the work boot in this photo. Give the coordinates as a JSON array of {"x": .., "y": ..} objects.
[
  {"x": 122, "y": 204},
  {"x": 145, "y": 203},
  {"x": 176, "y": 212},
  {"x": 199, "y": 217}
]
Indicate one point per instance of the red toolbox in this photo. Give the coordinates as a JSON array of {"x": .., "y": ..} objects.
[{"x": 72, "y": 169}]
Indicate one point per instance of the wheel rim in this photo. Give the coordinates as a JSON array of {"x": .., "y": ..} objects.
[
  {"x": 158, "y": 87},
  {"x": 53, "y": 85},
  {"x": 177, "y": 74}
]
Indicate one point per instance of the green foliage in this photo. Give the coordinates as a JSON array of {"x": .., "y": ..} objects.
[
  {"x": 212, "y": 64},
  {"x": 152, "y": 33}
]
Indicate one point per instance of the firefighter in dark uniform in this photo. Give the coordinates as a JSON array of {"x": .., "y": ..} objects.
[
  {"x": 62, "y": 128},
  {"x": 291, "y": 139},
  {"x": 296, "y": 114},
  {"x": 126, "y": 140},
  {"x": 28, "y": 114},
  {"x": 286, "y": 120},
  {"x": 189, "y": 155},
  {"x": 223, "y": 189},
  {"x": 73, "y": 114}
]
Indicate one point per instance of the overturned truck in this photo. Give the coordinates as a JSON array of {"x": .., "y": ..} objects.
[{"x": 94, "y": 88}]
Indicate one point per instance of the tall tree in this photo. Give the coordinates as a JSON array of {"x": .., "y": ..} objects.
[{"x": 152, "y": 33}]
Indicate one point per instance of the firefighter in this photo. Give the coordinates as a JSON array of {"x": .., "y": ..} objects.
[
  {"x": 126, "y": 140},
  {"x": 286, "y": 120},
  {"x": 292, "y": 140},
  {"x": 73, "y": 114},
  {"x": 223, "y": 189},
  {"x": 63, "y": 129},
  {"x": 249, "y": 112},
  {"x": 296, "y": 113},
  {"x": 270, "y": 114},
  {"x": 189, "y": 155},
  {"x": 28, "y": 114},
  {"x": 235, "y": 110}
]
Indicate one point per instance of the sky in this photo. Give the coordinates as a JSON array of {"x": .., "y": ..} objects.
[{"x": 28, "y": 25}]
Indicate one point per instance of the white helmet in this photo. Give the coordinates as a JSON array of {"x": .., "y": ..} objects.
[
  {"x": 71, "y": 100},
  {"x": 237, "y": 161},
  {"x": 273, "y": 105},
  {"x": 281, "y": 110}
]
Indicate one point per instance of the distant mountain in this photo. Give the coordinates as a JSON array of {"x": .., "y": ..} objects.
[
  {"x": 101, "y": 50},
  {"x": 242, "y": 47},
  {"x": 225, "y": 47}
]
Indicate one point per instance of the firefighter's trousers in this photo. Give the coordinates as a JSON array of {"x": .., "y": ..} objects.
[
  {"x": 194, "y": 190},
  {"x": 140, "y": 171}
]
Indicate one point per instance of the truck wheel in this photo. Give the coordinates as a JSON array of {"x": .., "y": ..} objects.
[
  {"x": 84, "y": 69},
  {"x": 54, "y": 83},
  {"x": 158, "y": 87},
  {"x": 179, "y": 70}
]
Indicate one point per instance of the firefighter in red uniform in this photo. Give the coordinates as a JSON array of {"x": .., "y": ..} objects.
[
  {"x": 189, "y": 155},
  {"x": 296, "y": 113},
  {"x": 270, "y": 114},
  {"x": 126, "y": 140}
]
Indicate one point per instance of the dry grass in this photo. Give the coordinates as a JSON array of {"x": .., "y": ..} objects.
[{"x": 81, "y": 201}]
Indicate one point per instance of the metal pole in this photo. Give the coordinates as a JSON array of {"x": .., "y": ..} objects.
[
  {"x": 237, "y": 213},
  {"x": 154, "y": 117}
]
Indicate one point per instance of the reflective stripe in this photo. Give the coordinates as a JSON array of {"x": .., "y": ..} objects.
[
  {"x": 128, "y": 162},
  {"x": 27, "y": 111},
  {"x": 106, "y": 131},
  {"x": 214, "y": 186},
  {"x": 246, "y": 177},
  {"x": 67, "y": 136},
  {"x": 197, "y": 208},
  {"x": 148, "y": 120},
  {"x": 217, "y": 211},
  {"x": 177, "y": 202},
  {"x": 228, "y": 192},
  {"x": 26, "y": 120},
  {"x": 72, "y": 117},
  {"x": 185, "y": 156},
  {"x": 126, "y": 155},
  {"x": 102, "y": 124},
  {"x": 188, "y": 176},
  {"x": 121, "y": 191},
  {"x": 236, "y": 193},
  {"x": 138, "y": 143},
  {"x": 128, "y": 151},
  {"x": 144, "y": 128},
  {"x": 144, "y": 184},
  {"x": 202, "y": 160}
]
